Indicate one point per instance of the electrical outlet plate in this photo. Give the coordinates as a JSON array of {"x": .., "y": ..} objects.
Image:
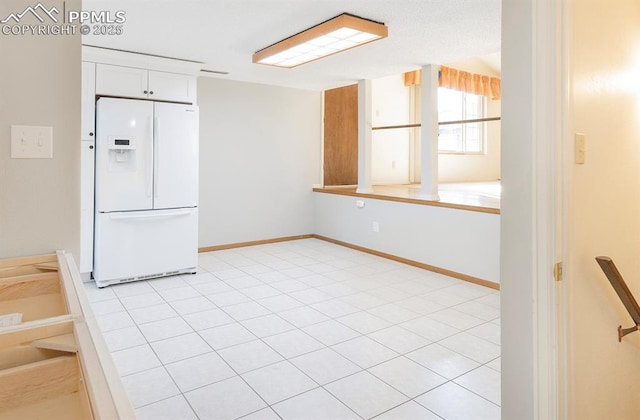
[{"x": 30, "y": 142}]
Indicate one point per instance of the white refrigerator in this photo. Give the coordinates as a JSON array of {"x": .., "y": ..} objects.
[{"x": 146, "y": 194}]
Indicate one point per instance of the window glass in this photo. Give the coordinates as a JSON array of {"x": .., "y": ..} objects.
[{"x": 454, "y": 105}]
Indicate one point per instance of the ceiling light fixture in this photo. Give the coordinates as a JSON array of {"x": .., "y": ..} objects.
[{"x": 341, "y": 33}]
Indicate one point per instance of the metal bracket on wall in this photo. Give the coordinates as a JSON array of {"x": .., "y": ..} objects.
[{"x": 619, "y": 285}]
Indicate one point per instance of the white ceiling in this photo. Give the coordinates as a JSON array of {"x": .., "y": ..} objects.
[{"x": 223, "y": 35}]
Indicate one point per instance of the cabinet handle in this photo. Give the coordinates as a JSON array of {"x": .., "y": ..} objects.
[
  {"x": 145, "y": 92},
  {"x": 90, "y": 134},
  {"x": 151, "y": 92},
  {"x": 90, "y": 147}
]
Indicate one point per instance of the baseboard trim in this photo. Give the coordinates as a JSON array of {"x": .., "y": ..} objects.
[
  {"x": 444, "y": 271},
  {"x": 413, "y": 263},
  {"x": 252, "y": 243}
]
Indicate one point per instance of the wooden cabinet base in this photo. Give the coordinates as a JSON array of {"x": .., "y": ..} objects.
[{"x": 54, "y": 364}]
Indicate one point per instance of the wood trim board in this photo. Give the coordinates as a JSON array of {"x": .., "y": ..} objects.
[
  {"x": 444, "y": 271},
  {"x": 26, "y": 384},
  {"x": 439, "y": 270},
  {"x": 351, "y": 192},
  {"x": 252, "y": 243}
]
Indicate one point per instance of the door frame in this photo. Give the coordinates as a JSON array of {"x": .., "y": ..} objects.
[
  {"x": 535, "y": 43},
  {"x": 551, "y": 114}
]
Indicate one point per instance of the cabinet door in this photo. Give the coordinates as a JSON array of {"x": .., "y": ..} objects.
[
  {"x": 87, "y": 164},
  {"x": 172, "y": 87},
  {"x": 121, "y": 81},
  {"x": 88, "y": 107}
]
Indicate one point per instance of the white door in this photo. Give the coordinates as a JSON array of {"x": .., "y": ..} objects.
[
  {"x": 176, "y": 156},
  {"x": 87, "y": 159},
  {"x": 88, "y": 102},
  {"x": 124, "y": 155}
]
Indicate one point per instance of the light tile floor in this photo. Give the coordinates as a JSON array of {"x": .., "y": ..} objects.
[{"x": 304, "y": 330}]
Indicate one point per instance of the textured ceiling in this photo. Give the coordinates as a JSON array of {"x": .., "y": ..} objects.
[{"x": 223, "y": 35}]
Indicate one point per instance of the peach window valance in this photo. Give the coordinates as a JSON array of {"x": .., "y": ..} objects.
[{"x": 465, "y": 81}]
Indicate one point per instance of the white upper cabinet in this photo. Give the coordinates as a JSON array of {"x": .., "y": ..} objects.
[
  {"x": 121, "y": 81},
  {"x": 132, "y": 82},
  {"x": 88, "y": 108},
  {"x": 172, "y": 87}
]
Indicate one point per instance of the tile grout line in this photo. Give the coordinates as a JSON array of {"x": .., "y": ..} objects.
[
  {"x": 360, "y": 309},
  {"x": 154, "y": 352}
]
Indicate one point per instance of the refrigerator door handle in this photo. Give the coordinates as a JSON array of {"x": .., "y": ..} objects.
[
  {"x": 156, "y": 151},
  {"x": 149, "y": 158},
  {"x": 150, "y": 215}
]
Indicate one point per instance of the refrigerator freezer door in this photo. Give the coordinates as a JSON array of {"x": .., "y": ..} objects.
[
  {"x": 124, "y": 155},
  {"x": 145, "y": 244},
  {"x": 176, "y": 156}
]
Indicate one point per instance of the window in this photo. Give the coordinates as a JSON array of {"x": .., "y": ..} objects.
[{"x": 454, "y": 105}]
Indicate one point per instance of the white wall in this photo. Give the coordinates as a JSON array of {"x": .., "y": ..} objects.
[
  {"x": 259, "y": 158},
  {"x": 40, "y": 85},
  {"x": 484, "y": 167},
  {"x": 463, "y": 241},
  {"x": 390, "y": 102},
  {"x": 604, "y": 209},
  {"x": 390, "y": 157}
]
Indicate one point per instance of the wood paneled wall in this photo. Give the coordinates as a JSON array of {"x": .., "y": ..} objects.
[{"x": 341, "y": 136}]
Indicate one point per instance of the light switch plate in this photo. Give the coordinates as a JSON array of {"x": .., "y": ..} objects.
[{"x": 31, "y": 142}]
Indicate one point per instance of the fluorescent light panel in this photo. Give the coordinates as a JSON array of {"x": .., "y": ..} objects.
[{"x": 338, "y": 34}]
